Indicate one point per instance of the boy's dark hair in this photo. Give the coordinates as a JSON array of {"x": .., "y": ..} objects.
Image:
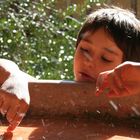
[{"x": 121, "y": 24}]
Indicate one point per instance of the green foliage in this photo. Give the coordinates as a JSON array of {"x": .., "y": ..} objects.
[{"x": 39, "y": 37}]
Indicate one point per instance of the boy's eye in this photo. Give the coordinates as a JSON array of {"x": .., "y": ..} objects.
[
  {"x": 86, "y": 53},
  {"x": 84, "y": 50},
  {"x": 105, "y": 59}
]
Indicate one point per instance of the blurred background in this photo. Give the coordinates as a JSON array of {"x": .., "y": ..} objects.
[{"x": 40, "y": 35}]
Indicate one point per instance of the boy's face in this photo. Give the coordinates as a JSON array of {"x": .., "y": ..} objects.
[{"x": 96, "y": 52}]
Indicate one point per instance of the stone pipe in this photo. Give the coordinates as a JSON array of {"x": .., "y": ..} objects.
[{"x": 60, "y": 97}]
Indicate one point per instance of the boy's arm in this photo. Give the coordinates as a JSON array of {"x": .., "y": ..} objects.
[{"x": 14, "y": 94}]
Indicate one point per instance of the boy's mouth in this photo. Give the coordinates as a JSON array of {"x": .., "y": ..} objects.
[{"x": 86, "y": 77}]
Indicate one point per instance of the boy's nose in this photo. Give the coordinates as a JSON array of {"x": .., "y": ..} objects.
[{"x": 90, "y": 63}]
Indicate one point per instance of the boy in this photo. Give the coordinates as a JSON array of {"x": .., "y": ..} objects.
[{"x": 109, "y": 37}]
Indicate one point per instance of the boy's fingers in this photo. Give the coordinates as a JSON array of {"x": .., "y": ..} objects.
[
  {"x": 13, "y": 107},
  {"x": 4, "y": 108},
  {"x": 11, "y": 127},
  {"x": 124, "y": 92},
  {"x": 4, "y": 105},
  {"x": 102, "y": 83},
  {"x": 11, "y": 113},
  {"x": 15, "y": 122},
  {"x": 1, "y": 100},
  {"x": 20, "y": 113},
  {"x": 118, "y": 78},
  {"x": 115, "y": 84}
]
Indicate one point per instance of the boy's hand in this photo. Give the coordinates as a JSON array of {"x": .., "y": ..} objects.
[
  {"x": 14, "y": 94},
  {"x": 13, "y": 108},
  {"x": 124, "y": 80}
]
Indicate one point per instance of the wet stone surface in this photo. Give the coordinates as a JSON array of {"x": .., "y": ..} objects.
[{"x": 73, "y": 129}]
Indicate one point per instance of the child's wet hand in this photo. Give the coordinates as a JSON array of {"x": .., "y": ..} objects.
[
  {"x": 122, "y": 81},
  {"x": 14, "y": 94},
  {"x": 106, "y": 84},
  {"x": 130, "y": 76},
  {"x": 110, "y": 83},
  {"x": 16, "y": 117},
  {"x": 13, "y": 109}
]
